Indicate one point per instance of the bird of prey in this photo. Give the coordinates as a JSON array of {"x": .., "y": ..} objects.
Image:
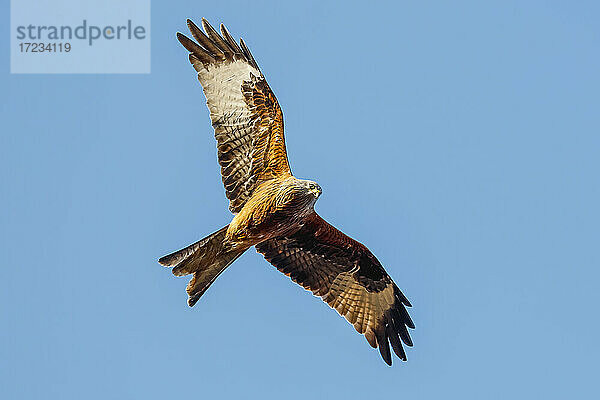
[{"x": 273, "y": 210}]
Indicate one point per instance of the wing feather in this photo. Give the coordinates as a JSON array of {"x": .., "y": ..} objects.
[
  {"x": 348, "y": 277},
  {"x": 217, "y": 39},
  {"x": 248, "y": 54},
  {"x": 205, "y": 41},
  {"x": 245, "y": 114},
  {"x": 231, "y": 41}
]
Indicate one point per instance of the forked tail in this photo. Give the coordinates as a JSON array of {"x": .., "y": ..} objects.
[{"x": 206, "y": 259}]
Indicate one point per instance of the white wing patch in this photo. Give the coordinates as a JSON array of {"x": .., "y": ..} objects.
[{"x": 222, "y": 85}]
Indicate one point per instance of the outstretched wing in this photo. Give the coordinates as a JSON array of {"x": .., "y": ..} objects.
[
  {"x": 245, "y": 114},
  {"x": 347, "y": 276}
]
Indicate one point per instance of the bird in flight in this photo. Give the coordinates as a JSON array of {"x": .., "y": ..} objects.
[{"x": 273, "y": 210}]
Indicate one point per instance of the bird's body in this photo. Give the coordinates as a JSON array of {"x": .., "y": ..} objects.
[
  {"x": 273, "y": 210},
  {"x": 278, "y": 207}
]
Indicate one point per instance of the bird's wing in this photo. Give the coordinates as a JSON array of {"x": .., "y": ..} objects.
[
  {"x": 348, "y": 277},
  {"x": 245, "y": 114}
]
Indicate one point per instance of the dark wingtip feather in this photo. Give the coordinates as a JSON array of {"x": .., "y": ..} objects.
[
  {"x": 396, "y": 344},
  {"x": 248, "y": 54},
  {"x": 208, "y": 28},
  {"x": 212, "y": 46},
  {"x": 399, "y": 324},
  {"x": 231, "y": 41},
  {"x": 409, "y": 322},
  {"x": 387, "y": 360},
  {"x": 194, "y": 30},
  {"x": 406, "y": 338},
  {"x": 217, "y": 39},
  {"x": 197, "y": 53},
  {"x": 212, "y": 49},
  {"x": 186, "y": 42},
  {"x": 401, "y": 297},
  {"x": 384, "y": 345}
]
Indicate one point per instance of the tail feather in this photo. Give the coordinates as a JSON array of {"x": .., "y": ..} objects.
[
  {"x": 206, "y": 259},
  {"x": 203, "y": 279},
  {"x": 186, "y": 261}
]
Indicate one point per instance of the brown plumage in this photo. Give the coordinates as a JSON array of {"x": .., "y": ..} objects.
[{"x": 274, "y": 211}]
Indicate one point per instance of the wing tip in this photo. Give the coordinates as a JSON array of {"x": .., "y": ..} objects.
[{"x": 215, "y": 46}]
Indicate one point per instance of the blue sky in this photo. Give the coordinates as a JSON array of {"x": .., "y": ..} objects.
[{"x": 459, "y": 142}]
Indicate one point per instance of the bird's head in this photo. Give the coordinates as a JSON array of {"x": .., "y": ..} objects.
[
  {"x": 300, "y": 193},
  {"x": 313, "y": 188}
]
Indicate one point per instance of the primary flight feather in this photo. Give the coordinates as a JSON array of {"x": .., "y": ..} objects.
[{"x": 274, "y": 211}]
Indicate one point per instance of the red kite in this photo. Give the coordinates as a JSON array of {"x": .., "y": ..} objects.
[{"x": 274, "y": 211}]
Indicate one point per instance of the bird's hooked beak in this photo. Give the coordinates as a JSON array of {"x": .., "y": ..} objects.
[
  {"x": 316, "y": 190},
  {"x": 312, "y": 188}
]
